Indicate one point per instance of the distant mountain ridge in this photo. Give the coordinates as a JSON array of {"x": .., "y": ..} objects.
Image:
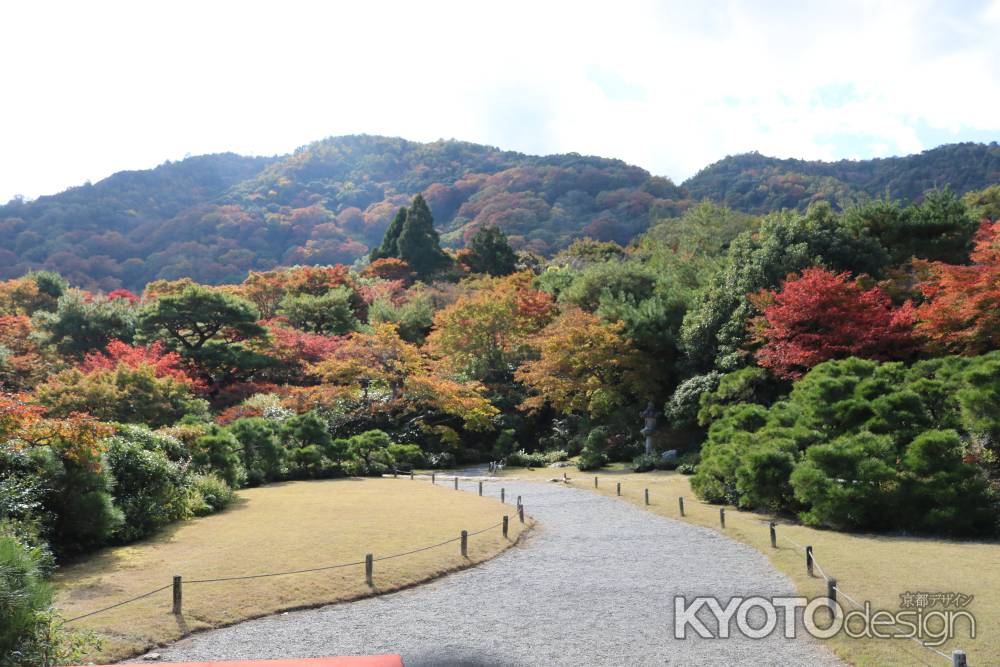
[
  {"x": 214, "y": 218},
  {"x": 754, "y": 183}
]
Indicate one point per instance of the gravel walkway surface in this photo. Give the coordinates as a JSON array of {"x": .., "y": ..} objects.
[{"x": 593, "y": 584}]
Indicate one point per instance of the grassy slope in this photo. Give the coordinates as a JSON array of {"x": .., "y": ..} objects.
[
  {"x": 290, "y": 526},
  {"x": 877, "y": 568}
]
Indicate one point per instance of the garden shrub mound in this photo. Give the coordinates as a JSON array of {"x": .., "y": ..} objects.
[{"x": 863, "y": 445}]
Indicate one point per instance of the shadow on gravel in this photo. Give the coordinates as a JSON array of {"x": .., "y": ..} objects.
[{"x": 433, "y": 660}]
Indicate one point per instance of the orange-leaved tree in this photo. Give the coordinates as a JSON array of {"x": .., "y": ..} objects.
[
  {"x": 384, "y": 373},
  {"x": 484, "y": 335},
  {"x": 584, "y": 365},
  {"x": 22, "y": 364},
  {"x": 962, "y": 311}
]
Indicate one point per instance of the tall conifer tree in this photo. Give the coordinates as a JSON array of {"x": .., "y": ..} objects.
[{"x": 419, "y": 244}]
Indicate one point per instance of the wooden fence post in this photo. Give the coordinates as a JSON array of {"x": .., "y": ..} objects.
[
  {"x": 958, "y": 659},
  {"x": 411, "y": 475},
  {"x": 519, "y": 501},
  {"x": 680, "y": 502},
  {"x": 369, "y": 568},
  {"x": 502, "y": 494},
  {"x": 506, "y": 521},
  {"x": 722, "y": 517},
  {"x": 809, "y": 560},
  {"x": 465, "y": 543},
  {"x": 177, "y": 595},
  {"x": 456, "y": 482},
  {"x": 433, "y": 478},
  {"x": 520, "y": 513},
  {"x": 480, "y": 488},
  {"x": 619, "y": 489},
  {"x": 831, "y": 592},
  {"x": 595, "y": 482},
  {"x": 774, "y": 536},
  {"x": 647, "y": 496}
]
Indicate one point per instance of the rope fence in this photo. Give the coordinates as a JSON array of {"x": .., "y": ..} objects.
[
  {"x": 834, "y": 590},
  {"x": 957, "y": 658},
  {"x": 179, "y": 582}
]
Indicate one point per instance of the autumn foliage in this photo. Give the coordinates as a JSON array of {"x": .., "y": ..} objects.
[
  {"x": 484, "y": 334},
  {"x": 962, "y": 311},
  {"x": 164, "y": 364},
  {"x": 389, "y": 268},
  {"x": 821, "y": 315},
  {"x": 584, "y": 365},
  {"x": 24, "y": 365}
]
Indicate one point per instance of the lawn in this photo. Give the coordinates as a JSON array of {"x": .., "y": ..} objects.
[
  {"x": 877, "y": 568},
  {"x": 277, "y": 528}
]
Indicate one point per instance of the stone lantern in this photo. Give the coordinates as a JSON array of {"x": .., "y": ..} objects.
[{"x": 649, "y": 414}]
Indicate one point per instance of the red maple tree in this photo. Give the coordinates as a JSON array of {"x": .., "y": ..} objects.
[
  {"x": 122, "y": 294},
  {"x": 165, "y": 364},
  {"x": 962, "y": 313},
  {"x": 822, "y": 315}
]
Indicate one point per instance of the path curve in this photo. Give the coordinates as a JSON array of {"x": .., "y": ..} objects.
[{"x": 593, "y": 584}]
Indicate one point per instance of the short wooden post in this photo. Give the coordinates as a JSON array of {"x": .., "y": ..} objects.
[
  {"x": 502, "y": 494},
  {"x": 831, "y": 593},
  {"x": 519, "y": 501},
  {"x": 680, "y": 503},
  {"x": 595, "y": 482},
  {"x": 958, "y": 659},
  {"x": 465, "y": 543},
  {"x": 647, "y": 496},
  {"x": 177, "y": 595},
  {"x": 369, "y": 568},
  {"x": 480, "y": 488},
  {"x": 619, "y": 489},
  {"x": 774, "y": 536},
  {"x": 456, "y": 482},
  {"x": 433, "y": 478},
  {"x": 506, "y": 522},
  {"x": 722, "y": 517},
  {"x": 809, "y": 560},
  {"x": 411, "y": 475},
  {"x": 520, "y": 513}
]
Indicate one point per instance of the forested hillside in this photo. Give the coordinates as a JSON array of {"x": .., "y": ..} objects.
[
  {"x": 215, "y": 218},
  {"x": 754, "y": 183}
]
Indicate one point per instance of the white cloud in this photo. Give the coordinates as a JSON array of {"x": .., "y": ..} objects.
[{"x": 95, "y": 88}]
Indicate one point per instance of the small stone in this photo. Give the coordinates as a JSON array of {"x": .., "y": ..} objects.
[{"x": 151, "y": 656}]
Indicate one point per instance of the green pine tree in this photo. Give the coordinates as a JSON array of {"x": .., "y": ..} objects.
[
  {"x": 419, "y": 244},
  {"x": 491, "y": 253},
  {"x": 388, "y": 247}
]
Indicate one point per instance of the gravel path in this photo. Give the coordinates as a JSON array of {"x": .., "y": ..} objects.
[{"x": 592, "y": 585}]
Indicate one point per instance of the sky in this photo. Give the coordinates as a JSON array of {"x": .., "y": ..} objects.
[{"x": 91, "y": 88}]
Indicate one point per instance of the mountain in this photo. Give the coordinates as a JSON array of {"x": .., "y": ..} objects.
[
  {"x": 754, "y": 183},
  {"x": 214, "y": 218}
]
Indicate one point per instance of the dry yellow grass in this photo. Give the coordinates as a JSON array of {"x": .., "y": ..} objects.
[
  {"x": 290, "y": 526},
  {"x": 876, "y": 568}
]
